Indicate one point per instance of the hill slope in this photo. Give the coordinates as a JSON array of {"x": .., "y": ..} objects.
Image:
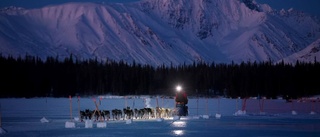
[{"x": 159, "y": 31}]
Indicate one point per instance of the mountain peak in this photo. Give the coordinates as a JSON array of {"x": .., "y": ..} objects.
[
  {"x": 158, "y": 32},
  {"x": 251, "y": 4},
  {"x": 12, "y": 10}
]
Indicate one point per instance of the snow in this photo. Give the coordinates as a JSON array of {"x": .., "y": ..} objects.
[
  {"x": 2, "y": 131},
  {"x": 157, "y": 32},
  {"x": 88, "y": 124},
  {"x": 70, "y": 124},
  {"x": 20, "y": 117},
  {"x": 101, "y": 124},
  {"x": 160, "y": 119},
  {"x": 128, "y": 121},
  {"x": 309, "y": 54},
  {"x": 44, "y": 120},
  {"x": 218, "y": 115},
  {"x": 240, "y": 112}
]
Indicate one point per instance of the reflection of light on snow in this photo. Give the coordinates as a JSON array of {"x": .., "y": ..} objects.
[
  {"x": 184, "y": 118},
  {"x": 178, "y": 132},
  {"x": 179, "y": 124}
]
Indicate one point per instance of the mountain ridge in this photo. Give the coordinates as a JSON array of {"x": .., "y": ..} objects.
[{"x": 159, "y": 32}]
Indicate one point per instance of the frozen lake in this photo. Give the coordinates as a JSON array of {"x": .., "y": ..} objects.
[{"x": 21, "y": 117}]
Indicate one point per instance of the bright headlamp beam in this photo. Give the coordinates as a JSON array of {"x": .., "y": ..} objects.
[{"x": 178, "y": 88}]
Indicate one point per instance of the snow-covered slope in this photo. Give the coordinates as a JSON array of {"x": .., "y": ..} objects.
[
  {"x": 309, "y": 54},
  {"x": 158, "y": 31}
]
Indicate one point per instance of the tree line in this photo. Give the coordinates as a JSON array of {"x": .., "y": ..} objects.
[{"x": 30, "y": 76}]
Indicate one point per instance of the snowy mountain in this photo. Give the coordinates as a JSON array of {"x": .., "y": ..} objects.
[
  {"x": 309, "y": 54},
  {"x": 160, "y": 31}
]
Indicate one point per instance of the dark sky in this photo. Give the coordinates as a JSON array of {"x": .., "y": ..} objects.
[
  {"x": 41, "y": 3},
  {"x": 309, "y": 6}
]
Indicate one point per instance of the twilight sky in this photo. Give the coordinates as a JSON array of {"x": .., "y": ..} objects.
[{"x": 309, "y": 6}]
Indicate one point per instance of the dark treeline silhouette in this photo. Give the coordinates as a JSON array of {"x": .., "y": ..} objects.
[{"x": 32, "y": 77}]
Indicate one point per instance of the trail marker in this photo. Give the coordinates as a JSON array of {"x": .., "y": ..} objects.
[
  {"x": 79, "y": 108},
  {"x": 261, "y": 106},
  {"x": 293, "y": 112},
  {"x": 70, "y": 124},
  {"x": 244, "y": 104},
  {"x": 313, "y": 106},
  {"x": 157, "y": 108},
  {"x": 243, "y": 110},
  {"x": 218, "y": 115},
  {"x": 125, "y": 102},
  {"x": 43, "y": 119},
  {"x": 237, "y": 108},
  {"x": 206, "y": 116},
  {"x": 197, "y": 106},
  {"x": 96, "y": 110},
  {"x": 101, "y": 123},
  {"x": 70, "y": 99},
  {"x": 88, "y": 124}
]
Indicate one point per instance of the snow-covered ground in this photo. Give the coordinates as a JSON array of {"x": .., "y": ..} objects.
[{"x": 21, "y": 117}]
